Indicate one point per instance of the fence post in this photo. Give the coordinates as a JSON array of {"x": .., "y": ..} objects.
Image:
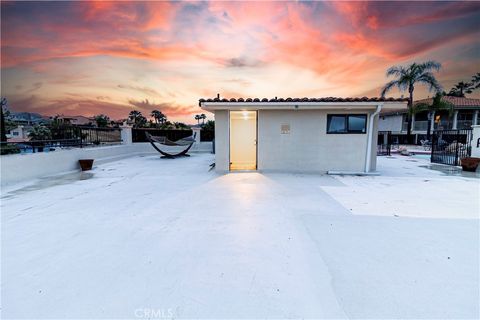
[
  {"x": 126, "y": 134},
  {"x": 456, "y": 148}
]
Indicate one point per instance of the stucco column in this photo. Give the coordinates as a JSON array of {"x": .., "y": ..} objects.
[
  {"x": 126, "y": 134},
  {"x": 196, "y": 132},
  {"x": 455, "y": 116},
  {"x": 475, "y": 118},
  {"x": 413, "y": 122}
]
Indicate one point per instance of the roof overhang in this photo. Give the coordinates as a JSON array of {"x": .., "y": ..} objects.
[{"x": 213, "y": 106}]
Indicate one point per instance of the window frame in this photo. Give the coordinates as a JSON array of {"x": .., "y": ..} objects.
[{"x": 346, "y": 116}]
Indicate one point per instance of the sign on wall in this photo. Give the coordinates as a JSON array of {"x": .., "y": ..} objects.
[{"x": 285, "y": 128}]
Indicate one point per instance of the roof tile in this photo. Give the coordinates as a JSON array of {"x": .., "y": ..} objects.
[{"x": 476, "y": 102}]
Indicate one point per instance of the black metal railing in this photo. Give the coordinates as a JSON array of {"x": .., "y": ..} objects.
[
  {"x": 384, "y": 143},
  {"x": 207, "y": 135},
  {"x": 138, "y": 134},
  {"x": 66, "y": 137},
  {"x": 33, "y": 146},
  {"x": 87, "y": 135},
  {"x": 449, "y": 146}
]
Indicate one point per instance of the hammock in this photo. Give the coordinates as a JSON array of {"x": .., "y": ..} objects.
[{"x": 184, "y": 142}]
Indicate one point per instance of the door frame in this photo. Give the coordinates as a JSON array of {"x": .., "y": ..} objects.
[{"x": 229, "y": 141}]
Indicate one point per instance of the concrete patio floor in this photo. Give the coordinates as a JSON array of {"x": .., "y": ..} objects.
[{"x": 149, "y": 237}]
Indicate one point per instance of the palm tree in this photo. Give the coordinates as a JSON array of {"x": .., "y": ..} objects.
[
  {"x": 162, "y": 118},
  {"x": 156, "y": 115},
  {"x": 198, "y": 117},
  {"x": 408, "y": 77},
  {"x": 461, "y": 88},
  {"x": 437, "y": 104},
  {"x": 203, "y": 117},
  {"x": 134, "y": 114},
  {"x": 138, "y": 119},
  {"x": 476, "y": 80}
]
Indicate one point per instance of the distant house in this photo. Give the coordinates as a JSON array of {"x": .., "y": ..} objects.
[
  {"x": 27, "y": 118},
  {"x": 75, "y": 120},
  {"x": 465, "y": 115},
  {"x": 19, "y": 134}
]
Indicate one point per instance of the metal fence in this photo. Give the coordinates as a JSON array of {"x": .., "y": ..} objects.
[
  {"x": 87, "y": 135},
  {"x": 66, "y": 137},
  {"x": 384, "y": 143},
  {"x": 138, "y": 134},
  {"x": 207, "y": 135},
  {"x": 449, "y": 146}
]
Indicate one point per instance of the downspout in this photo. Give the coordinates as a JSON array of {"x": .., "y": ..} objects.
[{"x": 368, "y": 159}]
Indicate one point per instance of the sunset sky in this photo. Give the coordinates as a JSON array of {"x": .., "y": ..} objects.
[{"x": 86, "y": 58}]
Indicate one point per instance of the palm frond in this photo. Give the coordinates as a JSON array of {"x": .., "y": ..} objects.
[
  {"x": 429, "y": 65},
  {"x": 429, "y": 79},
  {"x": 396, "y": 71},
  {"x": 388, "y": 87},
  {"x": 419, "y": 107}
]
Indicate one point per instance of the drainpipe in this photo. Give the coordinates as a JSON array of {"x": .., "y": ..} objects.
[{"x": 368, "y": 160}]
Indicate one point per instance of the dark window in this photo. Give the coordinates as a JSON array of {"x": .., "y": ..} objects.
[
  {"x": 337, "y": 124},
  {"x": 346, "y": 123}
]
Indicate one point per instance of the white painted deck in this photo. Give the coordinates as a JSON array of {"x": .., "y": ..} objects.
[{"x": 154, "y": 237}]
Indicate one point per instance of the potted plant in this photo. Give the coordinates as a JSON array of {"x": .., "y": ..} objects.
[
  {"x": 469, "y": 163},
  {"x": 86, "y": 164}
]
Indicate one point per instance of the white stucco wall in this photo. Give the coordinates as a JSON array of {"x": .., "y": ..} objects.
[
  {"x": 221, "y": 141},
  {"x": 308, "y": 147},
  {"x": 16, "y": 168},
  {"x": 476, "y": 141},
  {"x": 390, "y": 123}
]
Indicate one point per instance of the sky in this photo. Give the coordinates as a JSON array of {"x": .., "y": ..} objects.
[{"x": 87, "y": 58}]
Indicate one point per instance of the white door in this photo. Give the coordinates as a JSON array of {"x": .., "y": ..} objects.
[{"x": 243, "y": 140}]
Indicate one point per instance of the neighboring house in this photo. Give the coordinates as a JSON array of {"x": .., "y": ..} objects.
[
  {"x": 465, "y": 115},
  {"x": 303, "y": 135},
  {"x": 18, "y": 134},
  {"x": 75, "y": 120}
]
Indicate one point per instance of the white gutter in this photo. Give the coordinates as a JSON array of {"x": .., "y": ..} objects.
[
  {"x": 368, "y": 160},
  {"x": 211, "y": 106}
]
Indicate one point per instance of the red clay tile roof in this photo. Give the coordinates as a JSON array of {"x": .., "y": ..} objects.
[
  {"x": 456, "y": 101},
  {"x": 327, "y": 99}
]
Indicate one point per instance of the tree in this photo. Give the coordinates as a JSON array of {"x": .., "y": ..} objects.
[
  {"x": 102, "y": 120},
  {"x": 40, "y": 133},
  {"x": 158, "y": 116},
  {"x": 408, "y": 77},
  {"x": 3, "y": 103},
  {"x": 198, "y": 117},
  {"x": 209, "y": 125},
  {"x": 461, "y": 88},
  {"x": 181, "y": 125},
  {"x": 138, "y": 119},
  {"x": 203, "y": 117},
  {"x": 437, "y": 104},
  {"x": 476, "y": 80}
]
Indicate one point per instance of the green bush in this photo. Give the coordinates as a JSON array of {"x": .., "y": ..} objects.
[
  {"x": 9, "y": 149},
  {"x": 40, "y": 133}
]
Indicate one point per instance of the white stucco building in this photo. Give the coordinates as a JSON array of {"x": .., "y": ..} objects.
[
  {"x": 465, "y": 114},
  {"x": 297, "y": 134}
]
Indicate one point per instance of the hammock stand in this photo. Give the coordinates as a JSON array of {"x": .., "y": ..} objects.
[{"x": 185, "y": 142}]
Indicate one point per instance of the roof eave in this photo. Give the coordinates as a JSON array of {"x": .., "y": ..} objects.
[{"x": 212, "y": 106}]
